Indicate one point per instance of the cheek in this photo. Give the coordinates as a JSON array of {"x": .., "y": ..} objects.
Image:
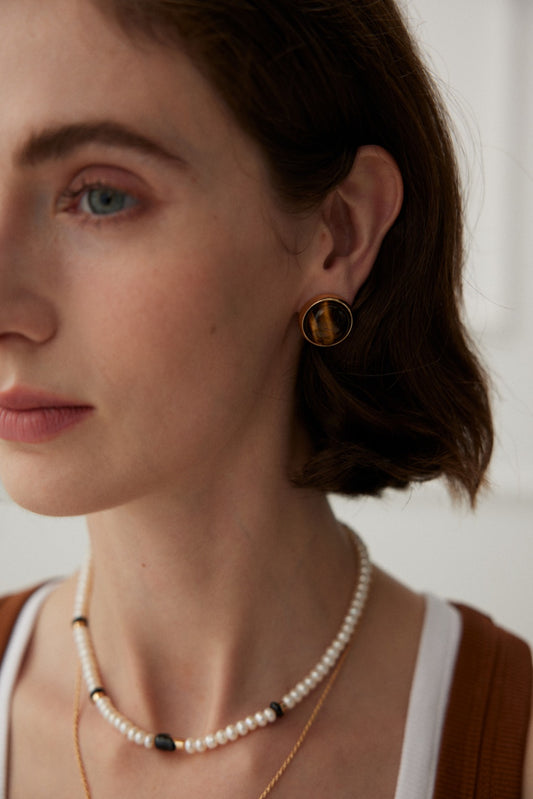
[
  {"x": 178, "y": 326},
  {"x": 202, "y": 300}
]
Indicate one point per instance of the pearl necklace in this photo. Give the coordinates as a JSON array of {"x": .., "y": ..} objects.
[{"x": 232, "y": 732}]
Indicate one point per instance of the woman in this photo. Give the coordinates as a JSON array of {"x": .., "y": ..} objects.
[{"x": 181, "y": 182}]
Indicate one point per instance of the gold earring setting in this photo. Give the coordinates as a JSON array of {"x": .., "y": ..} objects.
[{"x": 325, "y": 321}]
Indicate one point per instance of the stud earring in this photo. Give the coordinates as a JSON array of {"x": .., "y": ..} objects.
[{"x": 325, "y": 321}]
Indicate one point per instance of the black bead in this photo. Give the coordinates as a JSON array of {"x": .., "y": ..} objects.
[
  {"x": 98, "y": 690},
  {"x": 81, "y": 620},
  {"x": 164, "y": 742},
  {"x": 278, "y": 710}
]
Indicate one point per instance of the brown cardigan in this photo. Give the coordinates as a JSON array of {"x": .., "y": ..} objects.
[{"x": 484, "y": 737}]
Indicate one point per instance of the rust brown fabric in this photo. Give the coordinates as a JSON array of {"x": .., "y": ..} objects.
[
  {"x": 485, "y": 731},
  {"x": 10, "y": 607}
]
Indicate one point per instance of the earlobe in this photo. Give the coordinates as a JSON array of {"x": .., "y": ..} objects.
[{"x": 358, "y": 215}]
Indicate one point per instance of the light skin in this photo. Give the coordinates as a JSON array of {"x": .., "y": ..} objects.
[{"x": 173, "y": 315}]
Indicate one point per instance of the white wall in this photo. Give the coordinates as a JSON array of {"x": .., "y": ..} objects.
[{"x": 483, "y": 49}]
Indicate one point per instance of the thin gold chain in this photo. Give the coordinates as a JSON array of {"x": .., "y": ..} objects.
[
  {"x": 76, "y": 730},
  {"x": 279, "y": 773},
  {"x": 290, "y": 757}
]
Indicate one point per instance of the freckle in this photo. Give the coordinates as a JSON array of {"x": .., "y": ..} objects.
[
  {"x": 143, "y": 565},
  {"x": 213, "y": 330}
]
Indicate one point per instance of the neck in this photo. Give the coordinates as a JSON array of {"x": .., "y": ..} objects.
[{"x": 202, "y": 610}]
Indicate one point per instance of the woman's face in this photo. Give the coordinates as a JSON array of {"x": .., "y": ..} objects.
[{"x": 144, "y": 266}]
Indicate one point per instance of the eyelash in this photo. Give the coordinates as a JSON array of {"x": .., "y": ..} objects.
[{"x": 71, "y": 200}]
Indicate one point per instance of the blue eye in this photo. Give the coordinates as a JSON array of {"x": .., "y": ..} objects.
[{"x": 105, "y": 201}]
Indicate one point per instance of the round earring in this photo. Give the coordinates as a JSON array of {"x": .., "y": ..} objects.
[{"x": 325, "y": 321}]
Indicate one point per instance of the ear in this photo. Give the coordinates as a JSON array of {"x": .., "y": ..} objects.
[{"x": 357, "y": 216}]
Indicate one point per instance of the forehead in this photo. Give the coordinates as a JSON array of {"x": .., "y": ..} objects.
[{"x": 62, "y": 62}]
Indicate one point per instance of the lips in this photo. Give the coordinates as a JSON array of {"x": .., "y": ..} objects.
[{"x": 33, "y": 416}]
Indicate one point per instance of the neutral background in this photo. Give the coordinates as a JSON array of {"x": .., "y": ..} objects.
[{"x": 483, "y": 52}]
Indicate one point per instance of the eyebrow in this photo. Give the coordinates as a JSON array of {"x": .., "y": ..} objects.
[{"x": 59, "y": 142}]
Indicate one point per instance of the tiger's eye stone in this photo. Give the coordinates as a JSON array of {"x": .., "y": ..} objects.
[
  {"x": 164, "y": 742},
  {"x": 327, "y": 322}
]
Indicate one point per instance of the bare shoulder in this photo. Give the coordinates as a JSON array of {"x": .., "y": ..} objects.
[
  {"x": 395, "y": 611},
  {"x": 49, "y": 655}
]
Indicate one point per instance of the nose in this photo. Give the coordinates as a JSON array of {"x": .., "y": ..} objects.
[
  {"x": 24, "y": 316},
  {"x": 26, "y": 309}
]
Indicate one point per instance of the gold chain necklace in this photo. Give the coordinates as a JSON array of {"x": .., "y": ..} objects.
[{"x": 277, "y": 776}]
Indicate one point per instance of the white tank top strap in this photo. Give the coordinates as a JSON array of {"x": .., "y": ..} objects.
[{"x": 439, "y": 644}]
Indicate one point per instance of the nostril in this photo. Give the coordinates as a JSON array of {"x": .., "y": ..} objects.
[{"x": 24, "y": 315}]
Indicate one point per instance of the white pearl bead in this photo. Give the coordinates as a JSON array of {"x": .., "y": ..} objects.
[
  {"x": 270, "y": 715},
  {"x": 288, "y": 701},
  {"x": 231, "y": 732},
  {"x": 189, "y": 746},
  {"x": 211, "y": 742},
  {"x": 302, "y": 689},
  {"x": 88, "y": 674},
  {"x": 316, "y": 676},
  {"x": 139, "y": 738},
  {"x": 221, "y": 737},
  {"x": 149, "y": 741},
  {"x": 124, "y": 727},
  {"x": 250, "y": 723},
  {"x": 260, "y": 718},
  {"x": 132, "y": 733},
  {"x": 199, "y": 745},
  {"x": 242, "y": 728},
  {"x": 295, "y": 696}
]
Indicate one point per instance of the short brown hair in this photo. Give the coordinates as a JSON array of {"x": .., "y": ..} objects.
[{"x": 404, "y": 398}]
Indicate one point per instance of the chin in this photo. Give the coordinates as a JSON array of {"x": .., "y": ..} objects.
[
  {"x": 47, "y": 492},
  {"x": 43, "y": 504}
]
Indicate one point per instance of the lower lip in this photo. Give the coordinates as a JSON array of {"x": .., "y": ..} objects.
[{"x": 37, "y": 425}]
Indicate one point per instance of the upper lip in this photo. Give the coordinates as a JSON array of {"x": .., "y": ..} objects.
[{"x": 27, "y": 399}]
